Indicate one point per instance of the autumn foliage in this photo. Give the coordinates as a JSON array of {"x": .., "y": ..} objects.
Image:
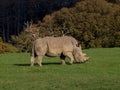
[{"x": 6, "y": 47}]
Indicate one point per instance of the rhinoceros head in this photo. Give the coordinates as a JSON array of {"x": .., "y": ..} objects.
[{"x": 79, "y": 56}]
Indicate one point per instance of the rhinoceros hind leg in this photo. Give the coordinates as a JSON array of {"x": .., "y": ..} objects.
[
  {"x": 40, "y": 60},
  {"x": 32, "y": 61}
]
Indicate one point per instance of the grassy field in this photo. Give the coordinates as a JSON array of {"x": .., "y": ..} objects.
[{"x": 101, "y": 72}]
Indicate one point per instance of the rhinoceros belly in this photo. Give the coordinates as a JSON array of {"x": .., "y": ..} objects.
[{"x": 54, "y": 52}]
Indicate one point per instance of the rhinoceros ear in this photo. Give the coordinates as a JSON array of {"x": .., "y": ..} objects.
[{"x": 74, "y": 50}]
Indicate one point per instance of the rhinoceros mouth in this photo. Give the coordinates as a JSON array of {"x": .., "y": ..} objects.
[{"x": 81, "y": 59}]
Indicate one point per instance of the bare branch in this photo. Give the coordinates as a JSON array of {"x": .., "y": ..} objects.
[
  {"x": 28, "y": 27},
  {"x": 67, "y": 32},
  {"x": 51, "y": 29},
  {"x": 31, "y": 23}
]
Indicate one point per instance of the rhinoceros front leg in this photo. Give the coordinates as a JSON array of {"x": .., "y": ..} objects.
[
  {"x": 62, "y": 57},
  {"x": 40, "y": 60},
  {"x": 70, "y": 56}
]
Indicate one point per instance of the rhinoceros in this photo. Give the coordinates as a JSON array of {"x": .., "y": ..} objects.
[{"x": 65, "y": 46}]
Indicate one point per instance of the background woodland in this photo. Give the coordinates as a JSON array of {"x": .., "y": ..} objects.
[{"x": 94, "y": 23}]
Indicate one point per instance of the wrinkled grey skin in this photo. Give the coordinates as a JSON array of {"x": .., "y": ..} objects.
[{"x": 65, "y": 46}]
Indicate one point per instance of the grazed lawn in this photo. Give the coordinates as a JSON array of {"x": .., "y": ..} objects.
[{"x": 101, "y": 72}]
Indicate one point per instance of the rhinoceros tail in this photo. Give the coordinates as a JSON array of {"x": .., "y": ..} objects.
[{"x": 33, "y": 54}]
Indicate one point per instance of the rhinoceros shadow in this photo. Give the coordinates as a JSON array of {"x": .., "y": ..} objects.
[{"x": 45, "y": 63}]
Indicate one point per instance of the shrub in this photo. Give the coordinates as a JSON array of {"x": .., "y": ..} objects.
[{"x": 7, "y": 48}]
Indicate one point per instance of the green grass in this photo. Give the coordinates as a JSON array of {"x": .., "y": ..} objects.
[{"x": 101, "y": 72}]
